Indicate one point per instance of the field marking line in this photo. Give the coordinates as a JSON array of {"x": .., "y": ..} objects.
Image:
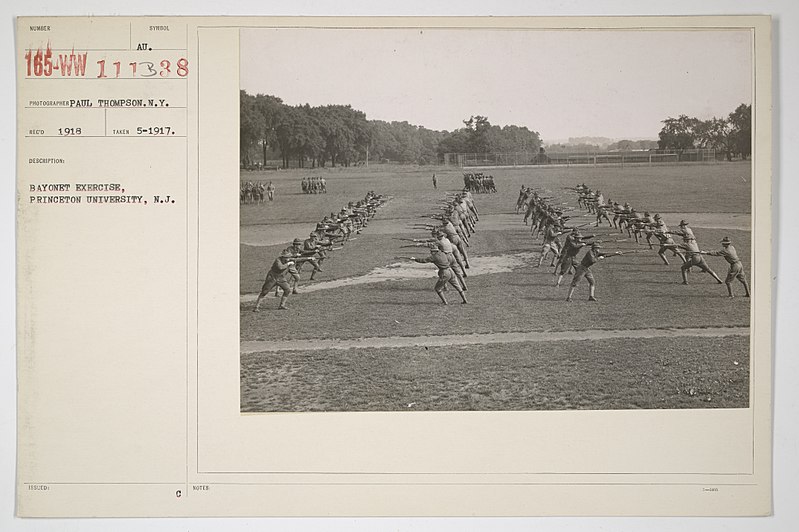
[{"x": 319, "y": 344}]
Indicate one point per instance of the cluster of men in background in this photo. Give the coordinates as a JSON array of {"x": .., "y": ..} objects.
[
  {"x": 256, "y": 192},
  {"x": 479, "y": 183},
  {"x": 314, "y": 185},
  {"x": 330, "y": 234}
]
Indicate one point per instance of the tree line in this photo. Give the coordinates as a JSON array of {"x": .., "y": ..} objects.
[
  {"x": 730, "y": 135},
  {"x": 340, "y": 135}
]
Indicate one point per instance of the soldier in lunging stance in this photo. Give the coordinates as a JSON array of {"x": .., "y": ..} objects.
[
  {"x": 277, "y": 277},
  {"x": 591, "y": 257},
  {"x": 445, "y": 274},
  {"x": 736, "y": 267}
]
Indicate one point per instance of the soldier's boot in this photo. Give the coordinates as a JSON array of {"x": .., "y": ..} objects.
[
  {"x": 464, "y": 301},
  {"x": 313, "y": 273},
  {"x": 441, "y": 296},
  {"x": 570, "y": 294},
  {"x": 746, "y": 287},
  {"x": 729, "y": 290},
  {"x": 591, "y": 291},
  {"x": 716, "y": 277},
  {"x": 684, "y": 273},
  {"x": 665, "y": 260},
  {"x": 283, "y": 300},
  {"x": 257, "y": 305}
]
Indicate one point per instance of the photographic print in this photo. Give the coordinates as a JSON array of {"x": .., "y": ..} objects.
[{"x": 477, "y": 219}]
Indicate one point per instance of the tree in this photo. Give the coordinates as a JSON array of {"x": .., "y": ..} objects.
[
  {"x": 678, "y": 133},
  {"x": 477, "y": 130},
  {"x": 268, "y": 109},
  {"x": 248, "y": 128},
  {"x": 716, "y": 134},
  {"x": 741, "y": 123}
]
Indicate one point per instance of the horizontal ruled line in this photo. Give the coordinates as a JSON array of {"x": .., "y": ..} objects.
[
  {"x": 112, "y": 49},
  {"x": 151, "y": 78},
  {"x": 106, "y": 108},
  {"x": 104, "y": 136}
]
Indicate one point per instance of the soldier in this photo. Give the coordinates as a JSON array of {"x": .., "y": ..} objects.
[
  {"x": 270, "y": 191},
  {"x": 435, "y": 182},
  {"x": 602, "y": 212},
  {"x": 309, "y": 256},
  {"x": 649, "y": 228},
  {"x": 551, "y": 243},
  {"x": 667, "y": 243},
  {"x": 453, "y": 236},
  {"x": 293, "y": 269},
  {"x": 736, "y": 267},
  {"x": 571, "y": 247},
  {"x": 685, "y": 232},
  {"x": 583, "y": 269},
  {"x": 445, "y": 273},
  {"x": 693, "y": 257},
  {"x": 467, "y": 197},
  {"x": 313, "y": 246},
  {"x": 276, "y": 277}
]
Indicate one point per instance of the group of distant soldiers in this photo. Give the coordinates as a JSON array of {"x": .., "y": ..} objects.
[
  {"x": 454, "y": 223},
  {"x": 479, "y": 183},
  {"x": 549, "y": 221},
  {"x": 314, "y": 185},
  {"x": 256, "y": 192},
  {"x": 329, "y": 235}
]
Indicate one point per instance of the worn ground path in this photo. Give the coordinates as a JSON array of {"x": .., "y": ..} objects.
[{"x": 485, "y": 338}]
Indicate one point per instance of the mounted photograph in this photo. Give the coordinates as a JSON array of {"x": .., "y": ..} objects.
[{"x": 478, "y": 219}]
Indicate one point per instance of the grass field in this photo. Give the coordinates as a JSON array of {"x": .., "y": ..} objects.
[{"x": 365, "y": 292}]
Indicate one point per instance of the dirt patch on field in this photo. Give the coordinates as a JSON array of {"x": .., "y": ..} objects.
[
  {"x": 399, "y": 271},
  {"x": 487, "y": 338}
]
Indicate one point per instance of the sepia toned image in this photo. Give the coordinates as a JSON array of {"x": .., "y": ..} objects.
[
  {"x": 495, "y": 220},
  {"x": 490, "y": 266}
]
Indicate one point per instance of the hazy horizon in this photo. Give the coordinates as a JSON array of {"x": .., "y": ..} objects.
[{"x": 562, "y": 84}]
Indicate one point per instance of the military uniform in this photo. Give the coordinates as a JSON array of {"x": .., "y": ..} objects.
[
  {"x": 276, "y": 277},
  {"x": 445, "y": 274},
  {"x": 591, "y": 257},
  {"x": 693, "y": 257},
  {"x": 736, "y": 270}
]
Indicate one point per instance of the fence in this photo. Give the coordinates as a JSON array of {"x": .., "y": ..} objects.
[{"x": 598, "y": 158}]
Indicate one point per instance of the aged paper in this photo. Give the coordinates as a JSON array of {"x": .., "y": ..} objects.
[{"x": 131, "y": 311}]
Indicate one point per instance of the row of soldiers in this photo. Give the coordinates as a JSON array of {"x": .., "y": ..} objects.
[
  {"x": 333, "y": 230},
  {"x": 549, "y": 221},
  {"x": 449, "y": 237},
  {"x": 639, "y": 225},
  {"x": 314, "y": 185},
  {"x": 478, "y": 183},
  {"x": 256, "y": 192}
]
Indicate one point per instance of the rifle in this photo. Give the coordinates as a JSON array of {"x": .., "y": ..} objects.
[
  {"x": 405, "y": 239},
  {"x": 631, "y": 251},
  {"x": 417, "y": 245}
]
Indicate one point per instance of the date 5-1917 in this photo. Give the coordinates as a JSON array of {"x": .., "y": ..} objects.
[{"x": 155, "y": 130}]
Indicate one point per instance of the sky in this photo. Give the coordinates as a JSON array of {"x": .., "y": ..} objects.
[{"x": 609, "y": 83}]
